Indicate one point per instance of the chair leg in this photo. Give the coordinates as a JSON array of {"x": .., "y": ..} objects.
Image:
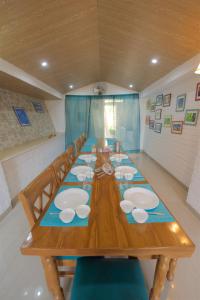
[
  {"x": 52, "y": 277},
  {"x": 172, "y": 267}
]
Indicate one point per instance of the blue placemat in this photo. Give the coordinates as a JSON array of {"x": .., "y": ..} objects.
[
  {"x": 91, "y": 141},
  {"x": 72, "y": 178},
  {"x": 86, "y": 148},
  {"x": 167, "y": 217},
  {"x": 123, "y": 162},
  {"x": 54, "y": 221}
]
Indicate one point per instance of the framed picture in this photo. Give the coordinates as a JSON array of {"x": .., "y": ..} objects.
[
  {"x": 177, "y": 127},
  {"x": 167, "y": 121},
  {"x": 21, "y": 116},
  {"x": 158, "y": 127},
  {"x": 158, "y": 113},
  {"x": 191, "y": 117},
  {"x": 147, "y": 119},
  {"x": 180, "y": 102},
  {"x": 159, "y": 100},
  {"x": 167, "y": 100},
  {"x": 38, "y": 107},
  {"x": 151, "y": 124},
  {"x": 197, "y": 97}
]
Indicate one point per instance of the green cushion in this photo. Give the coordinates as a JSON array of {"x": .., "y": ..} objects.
[
  {"x": 67, "y": 257},
  {"x": 107, "y": 279}
]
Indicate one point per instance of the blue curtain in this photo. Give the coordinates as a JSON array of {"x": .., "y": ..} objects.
[
  {"x": 77, "y": 112},
  {"x": 112, "y": 116}
]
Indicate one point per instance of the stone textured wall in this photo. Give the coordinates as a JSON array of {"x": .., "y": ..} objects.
[{"x": 11, "y": 132}]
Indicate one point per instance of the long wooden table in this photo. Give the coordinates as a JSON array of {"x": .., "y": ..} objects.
[{"x": 109, "y": 234}]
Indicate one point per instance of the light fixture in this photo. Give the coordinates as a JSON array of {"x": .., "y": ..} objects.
[
  {"x": 131, "y": 85},
  {"x": 154, "y": 61},
  {"x": 44, "y": 64},
  {"x": 197, "y": 70},
  {"x": 71, "y": 86}
]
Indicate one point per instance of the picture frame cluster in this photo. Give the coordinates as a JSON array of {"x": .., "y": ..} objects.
[{"x": 169, "y": 120}]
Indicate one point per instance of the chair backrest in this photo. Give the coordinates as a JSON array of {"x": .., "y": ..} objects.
[
  {"x": 70, "y": 154},
  {"x": 61, "y": 166},
  {"x": 78, "y": 145},
  {"x": 38, "y": 193},
  {"x": 83, "y": 138}
]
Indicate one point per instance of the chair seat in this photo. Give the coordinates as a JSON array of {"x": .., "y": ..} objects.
[
  {"x": 67, "y": 257},
  {"x": 107, "y": 279}
]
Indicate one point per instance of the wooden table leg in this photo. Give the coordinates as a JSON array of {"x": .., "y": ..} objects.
[
  {"x": 162, "y": 267},
  {"x": 172, "y": 267},
  {"x": 52, "y": 278}
]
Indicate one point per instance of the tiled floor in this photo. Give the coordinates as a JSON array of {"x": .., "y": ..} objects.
[{"x": 22, "y": 277}]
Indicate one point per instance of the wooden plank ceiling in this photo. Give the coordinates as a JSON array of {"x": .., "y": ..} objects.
[{"x": 86, "y": 41}]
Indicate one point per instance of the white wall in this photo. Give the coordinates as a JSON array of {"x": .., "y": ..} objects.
[
  {"x": 110, "y": 89},
  {"x": 5, "y": 200},
  {"x": 194, "y": 189},
  {"x": 176, "y": 153},
  {"x": 56, "y": 109},
  {"x": 20, "y": 169}
]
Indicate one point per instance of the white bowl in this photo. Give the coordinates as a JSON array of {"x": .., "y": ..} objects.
[
  {"x": 126, "y": 169},
  {"x": 126, "y": 206},
  {"x": 67, "y": 215},
  {"x": 81, "y": 177},
  {"x": 90, "y": 174},
  {"x": 140, "y": 215},
  {"x": 88, "y": 160},
  {"x": 128, "y": 176},
  {"x": 118, "y": 175},
  {"x": 83, "y": 211}
]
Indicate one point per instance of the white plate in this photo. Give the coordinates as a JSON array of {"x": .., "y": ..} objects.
[
  {"x": 140, "y": 215},
  {"x": 118, "y": 156},
  {"x": 81, "y": 170},
  {"x": 141, "y": 198},
  {"x": 87, "y": 157},
  {"x": 67, "y": 215},
  {"x": 126, "y": 169},
  {"x": 71, "y": 198}
]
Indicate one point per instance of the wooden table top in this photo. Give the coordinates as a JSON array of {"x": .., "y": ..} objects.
[{"x": 108, "y": 232}]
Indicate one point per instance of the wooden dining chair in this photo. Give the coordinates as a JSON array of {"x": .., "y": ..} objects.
[
  {"x": 78, "y": 145},
  {"x": 61, "y": 166},
  {"x": 70, "y": 155},
  {"x": 83, "y": 139},
  {"x": 35, "y": 198}
]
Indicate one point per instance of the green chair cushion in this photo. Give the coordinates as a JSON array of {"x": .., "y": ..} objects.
[
  {"x": 107, "y": 279},
  {"x": 67, "y": 257}
]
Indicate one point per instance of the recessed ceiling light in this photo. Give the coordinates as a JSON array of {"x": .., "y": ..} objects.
[
  {"x": 71, "y": 86},
  {"x": 44, "y": 64},
  {"x": 154, "y": 61},
  {"x": 131, "y": 85}
]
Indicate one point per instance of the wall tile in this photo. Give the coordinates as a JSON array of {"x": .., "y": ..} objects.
[{"x": 11, "y": 132}]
